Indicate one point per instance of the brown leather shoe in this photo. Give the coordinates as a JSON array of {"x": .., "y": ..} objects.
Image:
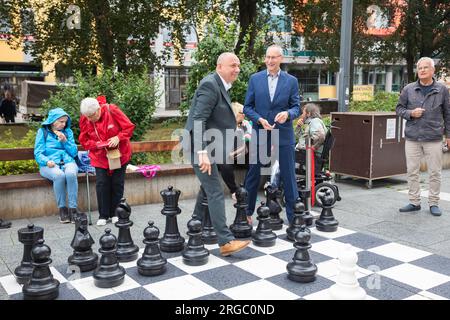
[{"x": 233, "y": 246}]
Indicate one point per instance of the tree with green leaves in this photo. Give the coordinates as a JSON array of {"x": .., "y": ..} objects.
[{"x": 110, "y": 33}]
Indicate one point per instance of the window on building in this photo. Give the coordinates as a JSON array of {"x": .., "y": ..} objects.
[{"x": 175, "y": 79}]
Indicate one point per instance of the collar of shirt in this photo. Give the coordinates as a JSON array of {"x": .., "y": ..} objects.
[
  {"x": 225, "y": 84},
  {"x": 276, "y": 76}
]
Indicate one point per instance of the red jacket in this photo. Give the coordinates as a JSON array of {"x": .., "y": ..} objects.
[{"x": 111, "y": 123}]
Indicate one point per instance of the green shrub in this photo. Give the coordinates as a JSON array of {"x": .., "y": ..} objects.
[
  {"x": 135, "y": 93},
  {"x": 22, "y": 166},
  {"x": 382, "y": 101}
]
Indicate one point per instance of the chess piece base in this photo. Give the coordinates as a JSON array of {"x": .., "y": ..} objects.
[
  {"x": 151, "y": 271},
  {"x": 327, "y": 226},
  {"x": 346, "y": 292},
  {"x": 241, "y": 231},
  {"x": 171, "y": 245},
  {"x": 196, "y": 258},
  {"x": 49, "y": 292},
  {"x": 104, "y": 278},
  {"x": 301, "y": 271},
  {"x": 127, "y": 254},
  {"x": 85, "y": 261},
  {"x": 23, "y": 273}
]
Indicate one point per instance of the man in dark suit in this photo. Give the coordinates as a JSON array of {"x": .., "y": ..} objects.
[
  {"x": 211, "y": 115},
  {"x": 272, "y": 103}
]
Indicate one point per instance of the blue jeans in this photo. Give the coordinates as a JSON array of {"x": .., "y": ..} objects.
[{"x": 67, "y": 174}]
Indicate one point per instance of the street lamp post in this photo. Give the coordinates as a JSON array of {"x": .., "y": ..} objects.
[{"x": 344, "y": 57}]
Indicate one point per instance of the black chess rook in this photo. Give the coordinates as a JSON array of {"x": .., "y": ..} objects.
[
  {"x": 109, "y": 273},
  {"x": 82, "y": 242},
  {"x": 171, "y": 241},
  {"x": 151, "y": 263},
  {"x": 126, "y": 249},
  {"x": 195, "y": 253},
  {"x": 263, "y": 236},
  {"x": 42, "y": 285},
  {"x": 240, "y": 227},
  {"x": 28, "y": 236},
  {"x": 326, "y": 221},
  {"x": 301, "y": 268}
]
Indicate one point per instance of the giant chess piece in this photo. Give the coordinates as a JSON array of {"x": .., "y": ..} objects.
[
  {"x": 307, "y": 217},
  {"x": 273, "y": 197},
  {"x": 171, "y": 241},
  {"x": 108, "y": 273},
  {"x": 126, "y": 249},
  {"x": 347, "y": 286},
  {"x": 209, "y": 236},
  {"x": 195, "y": 253},
  {"x": 326, "y": 221},
  {"x": 28, "y": 236},
  {"x": 263, "y": 236},
  {"x": 82, "y": 242},
  {"x": 301, "y": 268},
  {"x": 151, "y": 263},
  {"x": 41, "y": 285},
  {"x": 240, "y": 227},
  {"x": 297, "y": 222}
]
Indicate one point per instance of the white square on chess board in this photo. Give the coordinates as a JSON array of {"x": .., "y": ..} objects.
[
  {"x": 280, "y": 245},
  {"x": 213, "y": 262},
  {"x": 263, "y": 267},
  {"x": 331, "y": 248},
  {"x": 180, "y": 288},
  {"x": 340, "y": 232},
  {"x": 399, "y": 252},
  {"x": 259, "y": 290},
  {"x": 89, "y": 291}
]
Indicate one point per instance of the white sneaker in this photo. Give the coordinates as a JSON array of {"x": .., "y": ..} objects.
[
  {"x": 101, "y": 222},
  {"x": 114, "y": 219}
]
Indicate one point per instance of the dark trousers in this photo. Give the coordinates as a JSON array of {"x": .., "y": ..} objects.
[
  {"x": 227, "y": 173},
  {"x": 9, "y": 119},
  {"x": 109, "y": 190}
]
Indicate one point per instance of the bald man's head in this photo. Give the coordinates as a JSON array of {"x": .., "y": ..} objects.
[{"x": 228, "y": 66}]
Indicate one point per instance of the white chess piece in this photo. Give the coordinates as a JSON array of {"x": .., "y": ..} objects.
[{"x": 347, "y": 286}]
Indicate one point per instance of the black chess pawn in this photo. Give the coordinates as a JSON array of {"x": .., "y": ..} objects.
[
  {"x": 297, "y": 222},
  {"x": 263, "y": 236},
  {"x": 209, "y": 235},
  {"x": 307, "y": 217},
  {"x": 301, "y": 268},
  {"x": 108, "y": 273},
  {"x": 273, "y": 200},
  {"x": 126, "y": 249},
  {"x": 151, "y": 263},
  {"x": 82, "y": 242},
  {"x": 240, "y": 227},
  {"x": 42, "y": 285},
  {"x": 28, "y": 236},
  {"x": 171, "y": 241},
  {"x": 195, "y": 253},
  {"x": 326, "y": 221}
]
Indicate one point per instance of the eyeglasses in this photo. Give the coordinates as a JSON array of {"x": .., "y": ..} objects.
[{"x": 272, "y": 57}]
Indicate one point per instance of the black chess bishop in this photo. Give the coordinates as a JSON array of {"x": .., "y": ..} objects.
[
  {"x": 151, "y": 263},
  {"x": 109, "y": 273}
]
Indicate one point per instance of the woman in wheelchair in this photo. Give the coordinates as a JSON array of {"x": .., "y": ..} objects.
[{"x": 314, "y": 128}]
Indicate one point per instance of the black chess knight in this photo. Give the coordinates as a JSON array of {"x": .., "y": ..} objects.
[
  {"x": 126, "y": 249},
  {"x": 28, "y": 236},
  {"x": 42, "y": 285},
  {"x": 171, "y": 241},
  {"x": 241, "y": 228},
  {"x": 82, "y": 242},
  {"x": 108, "y": 273},
  {"x": 273, "y": 201},
  {"x": 151, "y": 263}
]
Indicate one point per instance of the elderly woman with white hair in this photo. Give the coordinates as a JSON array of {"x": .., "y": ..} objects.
[{"x": 106, "y": 132}]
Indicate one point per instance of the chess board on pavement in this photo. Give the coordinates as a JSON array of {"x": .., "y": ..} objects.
[{"x": 386, "y": 271}]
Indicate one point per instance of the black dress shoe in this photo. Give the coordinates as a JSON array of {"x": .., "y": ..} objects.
[
  {"x": 435, "y": 211},
  {"x": 5, "y": 224},
  {"x": 409, "y": 208}
]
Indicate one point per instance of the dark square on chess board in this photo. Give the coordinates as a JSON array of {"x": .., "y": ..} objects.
[{"x": 386, "y": 270}]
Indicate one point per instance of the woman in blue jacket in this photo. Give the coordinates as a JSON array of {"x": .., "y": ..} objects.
[{"x": 55, "y": 151}]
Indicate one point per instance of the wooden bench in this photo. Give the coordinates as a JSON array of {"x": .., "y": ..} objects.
[{"x": 31, "y": 195}]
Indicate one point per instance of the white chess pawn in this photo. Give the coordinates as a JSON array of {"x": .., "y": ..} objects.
[{"x": 347, "y": 286}]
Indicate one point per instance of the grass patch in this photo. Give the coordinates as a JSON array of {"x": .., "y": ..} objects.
[{"x": 162, "y": 131}]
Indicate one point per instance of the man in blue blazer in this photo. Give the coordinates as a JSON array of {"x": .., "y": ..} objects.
[{"x": 272, "y": 103}]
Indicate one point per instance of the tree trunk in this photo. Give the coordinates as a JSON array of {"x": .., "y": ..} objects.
[
  {"x": 101, "y": 11},
  {"x": 247, "y": 21}
]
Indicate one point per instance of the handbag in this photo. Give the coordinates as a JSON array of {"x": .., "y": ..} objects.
[{"x": 113, "y": 156}]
